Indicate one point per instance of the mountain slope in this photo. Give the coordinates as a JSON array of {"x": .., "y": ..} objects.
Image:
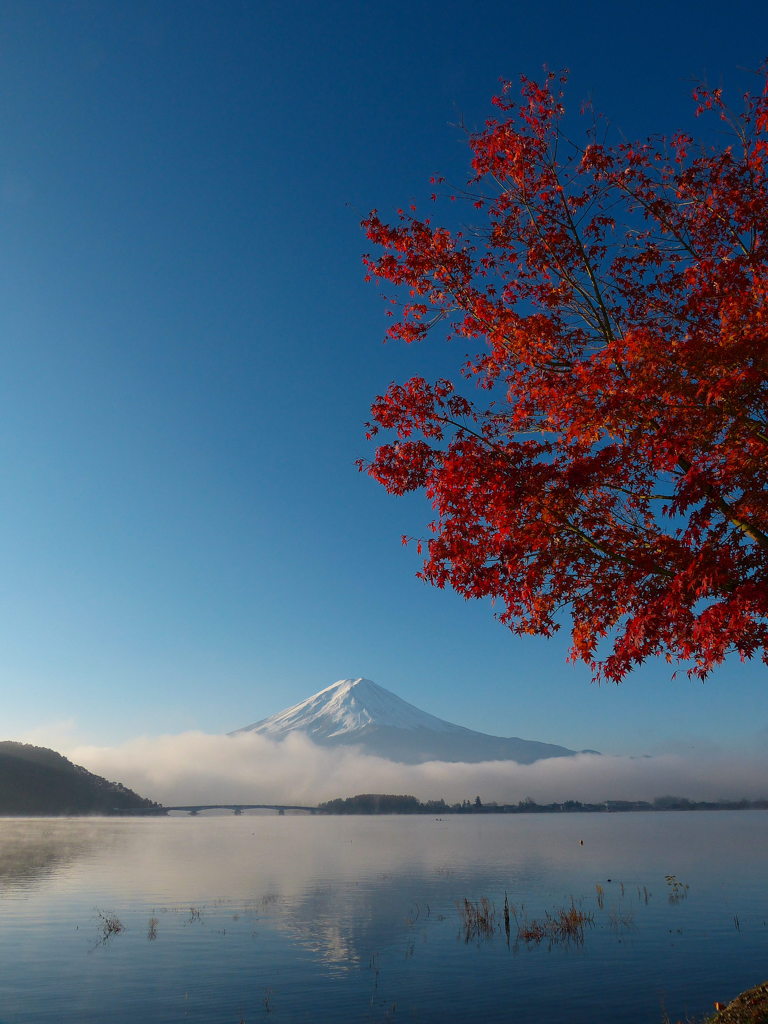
[
  {"x": 358, "y": 712},
  {"x": 37, "y": 780}
]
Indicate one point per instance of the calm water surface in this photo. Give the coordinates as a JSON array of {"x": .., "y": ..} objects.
[{"x": 260, "y": 918}]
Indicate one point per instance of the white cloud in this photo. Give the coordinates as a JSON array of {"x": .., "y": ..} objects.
[{"x": 196, "y": 767}]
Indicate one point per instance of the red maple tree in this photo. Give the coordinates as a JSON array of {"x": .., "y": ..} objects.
[{"x": 612, "y": 458}]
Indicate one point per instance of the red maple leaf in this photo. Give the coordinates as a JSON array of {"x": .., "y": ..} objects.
[{"x": 614, "y": 460}]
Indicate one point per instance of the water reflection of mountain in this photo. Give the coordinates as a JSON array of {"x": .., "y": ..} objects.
[{"x": 344, "y": 925}]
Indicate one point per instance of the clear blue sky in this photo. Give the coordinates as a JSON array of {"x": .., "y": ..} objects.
[{"x": 189, "y": 353}]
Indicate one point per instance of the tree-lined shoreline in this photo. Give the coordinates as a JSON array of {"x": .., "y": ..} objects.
[{"x": 387, "y": 803}]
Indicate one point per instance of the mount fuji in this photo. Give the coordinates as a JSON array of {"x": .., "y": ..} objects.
[{"x": 359, "y": 713}]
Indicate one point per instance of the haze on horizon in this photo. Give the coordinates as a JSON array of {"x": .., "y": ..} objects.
[
  {"x": 197, "y": 767},
  {"x": 295, "y": 757}
]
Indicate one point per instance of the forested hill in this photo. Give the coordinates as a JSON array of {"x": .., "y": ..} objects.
[{"x": 36, "y": 780}]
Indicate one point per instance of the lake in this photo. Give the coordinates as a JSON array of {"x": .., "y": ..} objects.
[{"x": 218, "y": 919}]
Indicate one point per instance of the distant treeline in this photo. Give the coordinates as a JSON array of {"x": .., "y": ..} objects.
[
  {"x": 37, "y": 780},
  {"x": 387, "y": 803}
]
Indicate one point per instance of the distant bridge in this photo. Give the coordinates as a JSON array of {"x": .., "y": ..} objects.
[{"x": 235, "y": 808}]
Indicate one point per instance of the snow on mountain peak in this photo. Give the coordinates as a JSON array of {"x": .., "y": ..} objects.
[
  {"x": 362, "y": 714},
  {"x": 348, "y": 706}
]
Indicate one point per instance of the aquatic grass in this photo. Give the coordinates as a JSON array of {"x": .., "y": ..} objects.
[
  {"x": 567, "y": 924},
  {"x": 564, "y": 925},
  {"x": 478, "y": 919},
  {"x": 111, "y": 925},
  {"x": 676, "y": 890},
  {"x": 619, "y": 919}
]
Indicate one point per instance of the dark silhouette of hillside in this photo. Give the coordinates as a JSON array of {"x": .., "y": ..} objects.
[{"x": 36, "y": 780}]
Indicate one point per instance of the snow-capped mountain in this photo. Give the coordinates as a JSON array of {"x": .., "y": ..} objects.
[{"x": 358, "y": 712}]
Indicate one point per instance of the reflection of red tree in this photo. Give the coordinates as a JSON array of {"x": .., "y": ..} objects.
[{"x": 614, "y": 462}]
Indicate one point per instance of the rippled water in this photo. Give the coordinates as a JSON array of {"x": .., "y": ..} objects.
[{"x": 261, "y": 918}]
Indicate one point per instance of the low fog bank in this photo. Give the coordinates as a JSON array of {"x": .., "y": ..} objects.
[{"x": 195, "y": 767}]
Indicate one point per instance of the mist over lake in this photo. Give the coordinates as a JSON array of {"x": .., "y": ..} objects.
[
  {"x": 305, "y": 918},
  {"x": 195, "y": 766}
]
